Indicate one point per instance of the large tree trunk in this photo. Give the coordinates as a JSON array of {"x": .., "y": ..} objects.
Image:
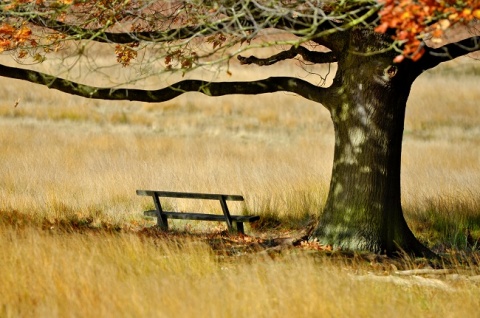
[{"x": 363, "y": 209}]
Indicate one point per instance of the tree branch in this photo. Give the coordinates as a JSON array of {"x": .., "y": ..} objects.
[
  {"x": 268, "y": 85},
  {"x": 307, "y": 55},
  {"x": 433, "y": 57},
  {"x": 102, "y": 36}
]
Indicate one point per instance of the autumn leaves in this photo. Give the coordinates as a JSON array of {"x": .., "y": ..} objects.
[{"x": 415, "y": 21}]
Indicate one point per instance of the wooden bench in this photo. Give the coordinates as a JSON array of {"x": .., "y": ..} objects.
[{"x": 234, "y": 222}]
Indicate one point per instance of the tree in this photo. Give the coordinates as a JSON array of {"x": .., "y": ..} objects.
[{"x": 380, "y": 48}]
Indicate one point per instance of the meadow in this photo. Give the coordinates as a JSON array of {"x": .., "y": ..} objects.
[{"x": 74, "y": 242}]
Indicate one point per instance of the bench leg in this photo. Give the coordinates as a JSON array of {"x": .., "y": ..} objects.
[
  {"x": 162, "y": 222},
  {"x": 161, "y": 218},
  {"x": 228, "y": 218},
  {"x": 240, "y": 227}
]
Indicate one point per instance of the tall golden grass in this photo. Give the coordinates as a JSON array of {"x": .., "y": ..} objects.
[
  {"x": 66, "y": 158},
  {"x": 45, "y": 275}
]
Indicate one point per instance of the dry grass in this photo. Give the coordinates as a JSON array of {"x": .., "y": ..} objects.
[
  {"x": 101, "y": 162},
  {"x": 49, "y": 275},
  {"x": 70, "y": 159}
]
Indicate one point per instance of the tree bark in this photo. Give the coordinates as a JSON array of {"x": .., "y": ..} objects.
[{"x": 363, "y": 209}]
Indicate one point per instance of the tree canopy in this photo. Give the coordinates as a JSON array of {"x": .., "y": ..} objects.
[{"x": 185, "y": 35}]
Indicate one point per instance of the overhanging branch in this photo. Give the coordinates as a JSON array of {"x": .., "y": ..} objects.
[
  {"x": 433, "y": 57},
  {"x": 307, "y": 55},
  {"x": 268, "y": 85}
]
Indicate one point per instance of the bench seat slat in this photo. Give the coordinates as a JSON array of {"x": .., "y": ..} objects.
[
  {"x": 187, "y": 195},
  {"x": 203, "y": 216}
]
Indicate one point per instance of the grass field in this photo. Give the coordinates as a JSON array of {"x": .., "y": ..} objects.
[{"x": 73, "y": 239}]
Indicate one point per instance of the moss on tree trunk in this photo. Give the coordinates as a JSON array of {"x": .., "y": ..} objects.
[{"x": 363, "y": 209}]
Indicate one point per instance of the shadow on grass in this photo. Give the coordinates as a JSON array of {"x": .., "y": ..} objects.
[
  {"x": 70, "y": 223},
  {"x": 447, "y": 228},
  {"x": 277, "y": 237}
]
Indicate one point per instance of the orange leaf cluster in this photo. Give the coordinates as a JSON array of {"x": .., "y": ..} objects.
[
  {"x": 217, "y": 40},
  {"x": 186, "y": 59},
  {"x": 315, "y": 245},
  {"x": 12, "y": 37},
  {"x": 126, "y": 53},
  {"x": 417, "y": 20}
]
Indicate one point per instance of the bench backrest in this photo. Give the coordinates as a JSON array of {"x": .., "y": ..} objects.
[{"x": 189, "y": 195}]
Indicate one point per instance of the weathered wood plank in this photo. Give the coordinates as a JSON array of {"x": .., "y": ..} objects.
[
  {"x": 203, "y": 216},
  {"x": 191, "y": 195}
]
